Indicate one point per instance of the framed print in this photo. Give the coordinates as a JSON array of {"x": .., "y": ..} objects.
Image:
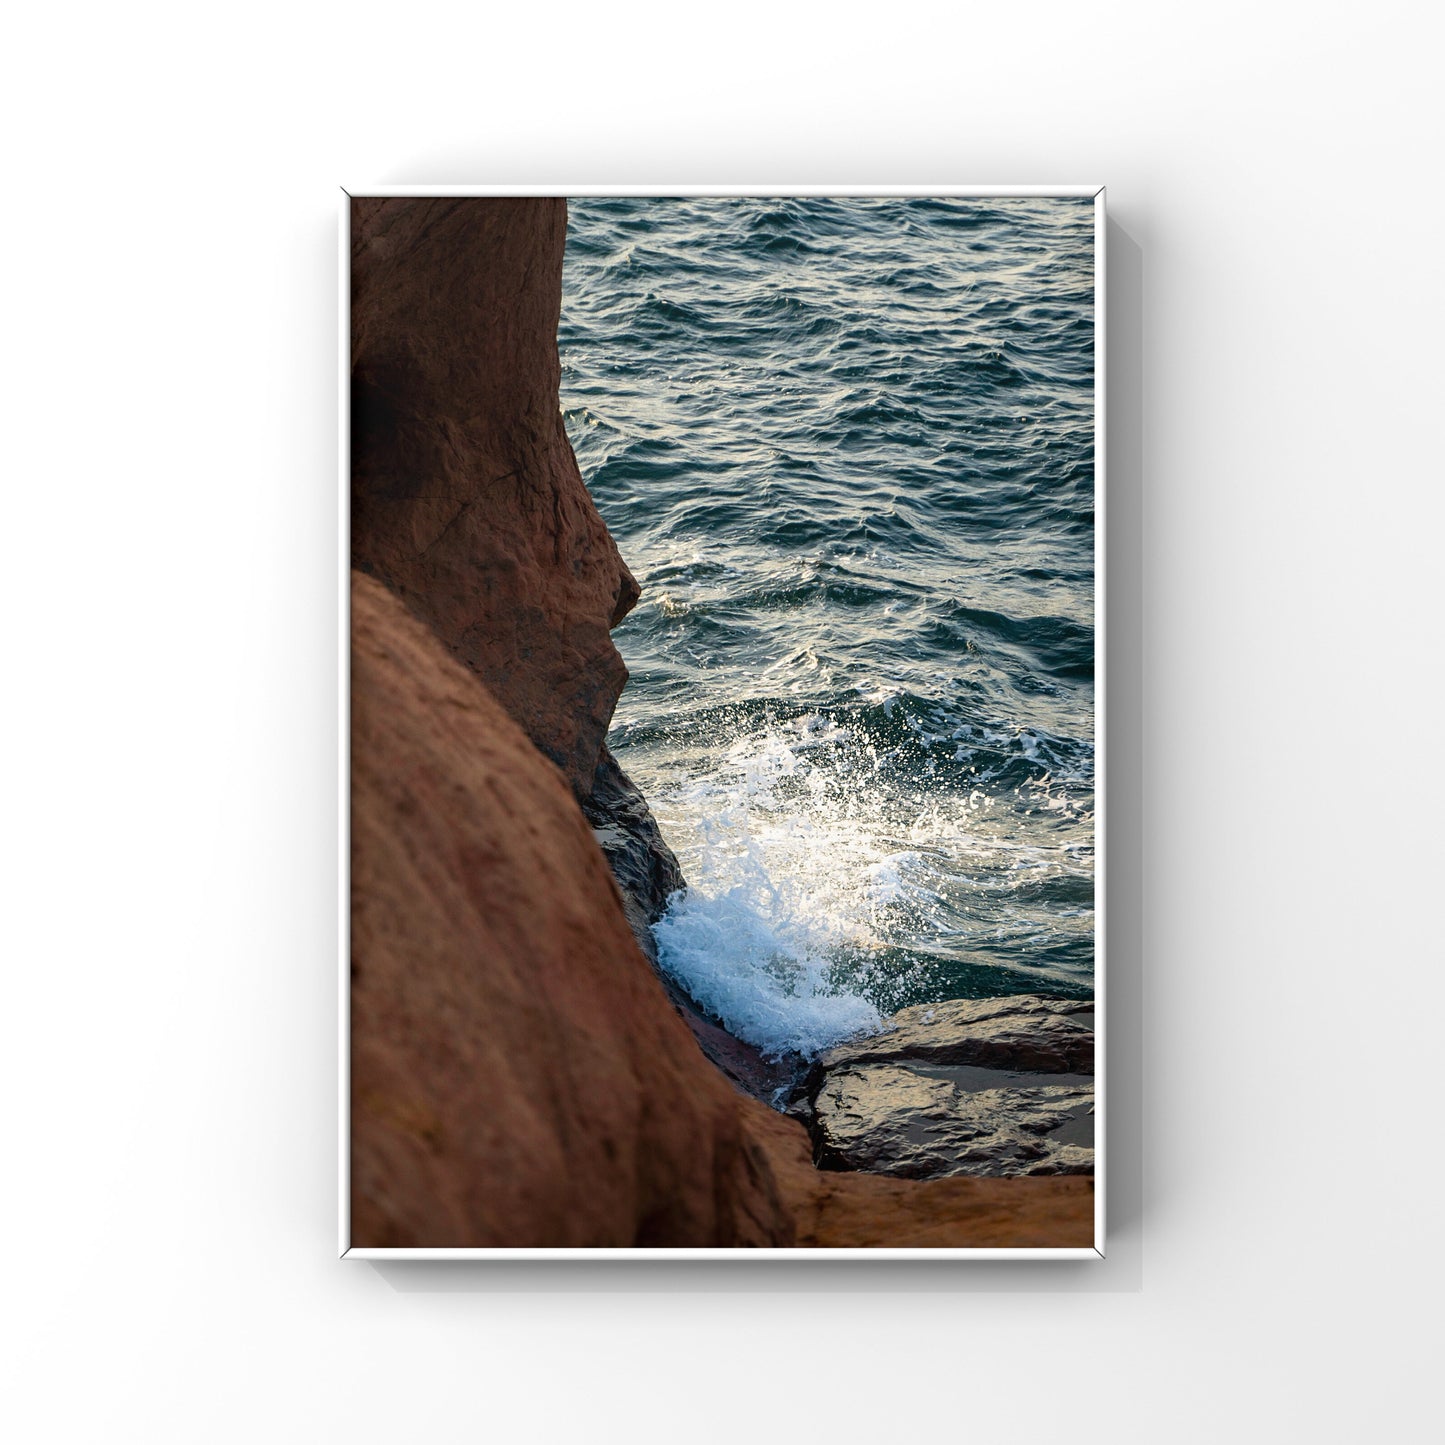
[{"x": 722, "y": 827}]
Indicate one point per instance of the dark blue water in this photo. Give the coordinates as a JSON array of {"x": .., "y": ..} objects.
[{"x": 847, "y": 446}]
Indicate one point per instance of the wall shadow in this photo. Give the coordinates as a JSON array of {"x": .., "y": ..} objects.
[
  {"x": 1123, "y": 1269},
  {"x": 1124, "y": 688}
]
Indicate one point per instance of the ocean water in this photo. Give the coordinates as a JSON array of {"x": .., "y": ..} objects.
[{"x": 847, "y": 447}]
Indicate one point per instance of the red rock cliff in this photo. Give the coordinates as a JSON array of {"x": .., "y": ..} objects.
[
  {"x": 518, "y": 1075},
  {"x": 466, "y": 498}
]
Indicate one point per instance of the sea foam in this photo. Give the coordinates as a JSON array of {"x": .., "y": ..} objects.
[
  {"x": 753, "y": 974},
  {"x": 792, "y": 880}
]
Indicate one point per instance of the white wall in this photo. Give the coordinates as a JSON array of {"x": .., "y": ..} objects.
[{"x": 168, "y": 1051}]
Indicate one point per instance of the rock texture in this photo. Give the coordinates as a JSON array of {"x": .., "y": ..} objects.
[
  {"x": 466, "y": 498},
  {"x": 467, "y": 502},
  {"x": 864, "y": 1211},
  {"x": 645, "y": 868},
  {"x": 1025, "y": 1031},
  {"x": 922, "y": 1123},
  {"x": 989, "y": 1087},
  {"x": 518, "y": 1075}
]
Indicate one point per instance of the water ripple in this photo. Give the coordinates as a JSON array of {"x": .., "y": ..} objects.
[{"x": 847, "y": 447}]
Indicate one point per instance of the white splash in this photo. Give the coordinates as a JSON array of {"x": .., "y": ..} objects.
[
  {"x": 835, "y": 869},
  {"x": 752, "y": 973},
  {"x": 793, "y": 882}
]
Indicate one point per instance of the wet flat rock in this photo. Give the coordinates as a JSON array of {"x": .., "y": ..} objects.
[
  {"x": 1043, "y": 1035},
  {"x": 995, "y": 1087}
]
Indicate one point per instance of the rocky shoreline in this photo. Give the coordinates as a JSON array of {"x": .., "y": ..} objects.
[
  {"x": 995, "y": 1087},
  {"x": 522, "y": 1071}
]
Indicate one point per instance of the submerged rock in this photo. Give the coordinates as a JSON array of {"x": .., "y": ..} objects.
[{"x": 997, "y": 1087}]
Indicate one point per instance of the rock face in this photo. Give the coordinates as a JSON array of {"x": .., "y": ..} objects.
[
  {"x": 518, "y": 1075},
  {"x": 992, "y": 1087},
  {"x": 466, "y": 498},
  {"x": 644, "y": 866}
]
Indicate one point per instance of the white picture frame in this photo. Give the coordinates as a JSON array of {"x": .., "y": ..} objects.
[{"x": 346, "y": 1249}]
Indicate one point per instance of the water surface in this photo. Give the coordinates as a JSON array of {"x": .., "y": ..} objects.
[{"x": 847, "y": 448}]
